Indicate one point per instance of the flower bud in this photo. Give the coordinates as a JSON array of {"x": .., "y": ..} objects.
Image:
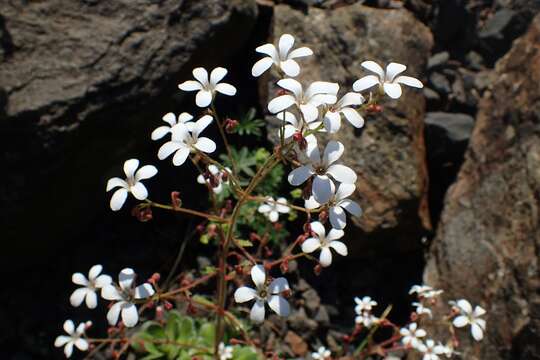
[
  {"x": 87, "y": 325},
  {"x": 230, "y": 125},
  {"x": 168, "y": 305},
  {"x": 284, "y": 266},
  {"x": 278, "y": 226},
  {"x": 159, "y": 313},
  {"x": 317, "y": 269},
  {"x": 323, "y": 216},
  {"x": 281, "y": 92},
  {"x": 154, "y": 278},
  {"x": 175, "y": 200},
  {"x": 374, "y": 108}
]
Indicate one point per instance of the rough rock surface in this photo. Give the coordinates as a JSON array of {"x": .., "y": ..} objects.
[
  {"x": 78, "y": 78},
  {"x": 488, "y": 241},
  {"x": 388, "y": 154}
]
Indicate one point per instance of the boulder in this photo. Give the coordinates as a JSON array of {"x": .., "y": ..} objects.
[
  {"x": 486, "y": 248},
  {"x": 81, "y": 85}
]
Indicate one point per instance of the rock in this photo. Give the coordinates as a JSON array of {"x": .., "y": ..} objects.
[
  {"x": 301, "y": 323},
  {"x": 438, "y": 59},
  {"x": 448, "y": 127},
  {"x": 486, "y": 248},
  {"x": 79, "y": 82},
  {"x": 297, "y": 344},
  {"x": 311, "y": 300},
  {"x": 474, "y": 61},
  {"x": 440, "y": 83},
  {"x": 341, "y": 39}
]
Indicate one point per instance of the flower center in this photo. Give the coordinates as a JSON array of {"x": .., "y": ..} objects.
[{"x": 320, "y": 170}]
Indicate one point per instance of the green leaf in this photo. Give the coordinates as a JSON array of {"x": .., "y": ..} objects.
[
  {"x": 186, "y": 329},
  {"x": 244, "y": 243},
  {"x": 207, "y": 333},
  {"x": 249, "y": 125},
  {"x": 244, "y": 353}
]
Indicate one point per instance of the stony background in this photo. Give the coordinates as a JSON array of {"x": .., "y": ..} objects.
[{"x": 449, "y": 178}]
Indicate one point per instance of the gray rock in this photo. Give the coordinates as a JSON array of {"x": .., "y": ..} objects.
[
  {"x": 452, "y": 127},
  {"x": 440, "y": 83},
  {"x": 438, "y": 59}
]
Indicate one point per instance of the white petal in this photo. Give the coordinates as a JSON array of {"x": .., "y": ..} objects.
[
  {"x": 68, "y": 349},
  {"x": 332, "y": 121},
  {"x": 264, "y": 208},
  {"x": 318, "y": 229},
  {"x": 202, "y": 124},
  {"x": 115, "y": 182},
  {"x": 352, "y": 207},
  {"x": 146, "y": 172},
  {"x": 126, "y": 278},
  {"x": 109, "y": 292},
  {"x": 139, "y": 191},
  {"x": 344, "y": 191},
  {"x": 169, "y": 118},
  {"x": 310, "y": 245},
  {"x": 257, "y": 311},
  {"x": 460, "y": 321},
  {"x": 61, "y": 340},
  {"x": 95, "y": 271},
  {"x": 281, "y": 207},
  {"x": 340, "y": 247},
  {"x": 313, "y": 153},
  {"x": 118, "y": 199},
  {"x": 477, "y": 332},
  {"x": 203, "y": 98},
  {"x": 309, "y": 111},
  {"x": 205, "y": 145},
  {"x": 326, "y": 257},
  {"x": 292, "y": 85},
  {"x": 465, "y": 306},
  {"x": 91, "y": 299},
  {"x": 300, "y": 175},
  {"x": 332, "y": 152},
  {"x": 300, "y": 52},
  {"x": 319, "y": 99},
  {"x": 481, "y": 323},
  {"x": 81, "y": 344},
  {"x": 144, "y": 291},
  {"x": 321, "y": 87},
  {"x": 478, "y": 311},
  {"x": 365, "y": 83},
  {"x": 351, "y": 98},
  {"x": 323, "y": 189},
  {"x": 130, "y": 166},
  {"x": 279, "y": 305},
  {"x": 270, "y": 50},
  {"x": 226, "y": 89},
  {"x": 409, "y": 81},
  {"x": 201, "y": 75},
  {"x": 353, "y": 117},
  {"x": 288, "y": 117},
  {"x": 79, "y": 279},
  {"x": 392, "y": 90},
  {"x": 289, "y": 131},
  {"x": 273, "y": 216},
  {"x": 184, "y": 117},
  {"x": 258, "y": 275},
  {"x": 281, "y": 103},
  {"x": 244, "y": 293},
  {"x": 217, "y": 75},
  {"x": 342, "y": 173},
  {"x": 190, "y": 85},
  {"x": 334, "y": 234},
  {"x": 167, "y": 149},
  {"x": 180, "y": 131},
  {"x": 130, "y": 316},
  {"x": 373, "y": 67},
  {"x": 286, "y": 42},
  {"x": 311, "y": 203},
  {"x": 278, "y": 285},
  {"x": 180, "y": 156},
  {"x": 78, "y": 296},
  {"x": 69, "y": 327},
  {"x": 261, "y": 66},
  {"x": 114, "y": 312},
  {"x": 338, "y": 218},
  {"x": 290, "y": 67},
  {"x": 394, "y": 69}
]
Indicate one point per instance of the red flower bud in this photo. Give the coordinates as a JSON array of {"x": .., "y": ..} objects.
[
  {"x": 230, "y": 125},
  {"x": 317, "y": 269},
  {"x": 374, "y": 108},
  {"x": 175, "y": 200},
  {"x": 168, "y": 305}
]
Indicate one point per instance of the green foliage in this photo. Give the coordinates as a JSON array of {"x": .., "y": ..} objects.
[
  {"x": 181, "y": 338},
  {"x": 249, "y": 125}
]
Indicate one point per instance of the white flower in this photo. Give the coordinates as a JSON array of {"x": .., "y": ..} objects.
[
  {"x": 412, "y": 335},
  {"x": 425, "y": 291},
  {"x": 125, "y": 294},
  {"x": 90, "y": 285},
  {"x": 430, "y": 350},
  {"x": 471, "y": 317},
  {"x": 332, "y": 117},
  {"x": 321, "y": 354},
  {"x": 337, "y": 204},
  {"x": 207, "y": 87},
  {"x": 282, "y": 58},
  {"x": 294, "y": 126},
  {"x": 364, "y": 304},
  {"x": 225, "y": 352},
  {"x": 318, "y": 93},
  {"x": 271, "y": 208},
  {"x": 131, "y": 184},
  {"x": 323, "y": 187},
  {"x": 218, "y": 175},
  {"x": 366, "y": 319},
  {"x": 324, "y": 241},
  {"x": 448, "y": 351},
  {"x": 421, "y": 309},
  {"x": 264, "y": 293},
  {"x": 170, "y": 119},
  {"x": 74, "y": 338},
  {"x": 387, "y": 80},
  {"x": 185, "y": 139}
]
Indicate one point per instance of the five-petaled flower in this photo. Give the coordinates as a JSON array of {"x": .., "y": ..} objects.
[
  {"x": 366, "y": 318},
  {"x": 264, "y": 293},
  {"x": 125, "y": 295},
  {"x": 470, "y": 317},
  {"x": 332, "y": 117},
  {"x": 283, "y": 57},
  {"x": 321, "y": 169},
  {"x": 388, "y": 81},
  {"x": 337, "y": 205},
  {"x": 186, "y": 139},
  {"x": 411, "y": 335},
  {"x": 421, "y": 309},
  {"x": 170, "y": 119},
  {"x": 94, "y": 282},
  {"x": 220, "y": 177},
  {"x": 225, "y": 352},
  {"x": 364, "y": 304},
  {"x": 132, "y": 184},
  {"x": 318, "y": 93},
  {"x": 324, "y": 242},
  {"x": 74, "y": 337},
  {"x": 322, "y": 353},
  {"x": 207, "y": 86},
  {"x": 271, "y": 208},
  {"x": 425, "y": 291},
  {"x": 430, "y": 350}
]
